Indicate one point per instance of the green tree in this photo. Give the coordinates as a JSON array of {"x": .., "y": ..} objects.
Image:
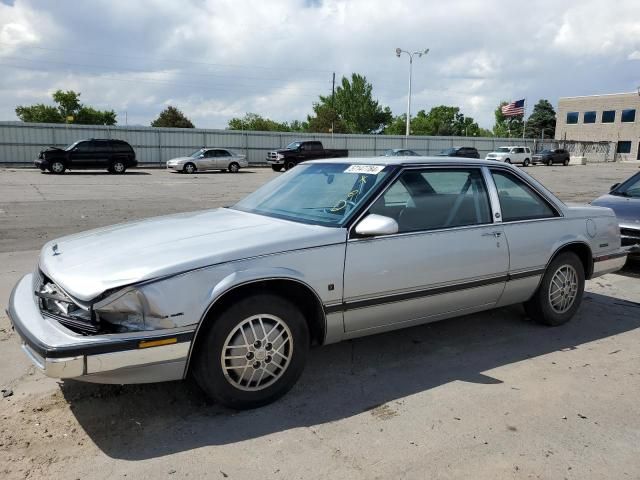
[
  {"x": 255, "y": 122},
  {"x": 39, "y": 113},
  {"x": 542, "y": 117},
  {"x": 326, "y": 120},
  {"x": 507, "y": 126},
  {"x": 352, "y": 106},
  {"x": 68, "y": 110},
  {"x": 441, "y": 120},
  {"x": 172, "y": 117}
]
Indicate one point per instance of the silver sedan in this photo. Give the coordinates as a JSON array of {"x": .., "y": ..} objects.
[
  {"x": 209, "y": 159},
  {"x": 329, "y": 251}
]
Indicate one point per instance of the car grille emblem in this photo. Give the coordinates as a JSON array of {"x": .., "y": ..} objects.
[{"x": 55, "y": 249}]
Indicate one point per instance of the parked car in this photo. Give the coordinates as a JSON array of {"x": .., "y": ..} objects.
[
  {"x": 332, "y": 250},
  {"x": 297, "y": 152},
  {"x": 94, "y": 153},
  {"x": 549, "y": 157},
  {"x": 464, "y": 152},
  {"x": 400, "y": 152},
  {"x": 209, "y": 159},
  {"x": 512, "y": 154},
  {"x": 624, "y": 200}
]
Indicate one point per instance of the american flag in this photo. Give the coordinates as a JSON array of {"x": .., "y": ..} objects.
[{"x": 513, "y": 109}]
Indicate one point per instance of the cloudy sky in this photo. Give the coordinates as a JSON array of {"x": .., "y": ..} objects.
[{"x": 219, "y": 59}]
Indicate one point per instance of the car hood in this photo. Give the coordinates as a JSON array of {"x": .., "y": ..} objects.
[
  {"x": 87, "y": 264},
  {"x": 626, "y": 209}
]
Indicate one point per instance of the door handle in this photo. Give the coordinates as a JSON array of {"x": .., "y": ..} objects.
[{"x": 492, "y": 234}]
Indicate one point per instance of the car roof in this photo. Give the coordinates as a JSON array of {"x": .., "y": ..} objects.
[{"x": 420, "y": 160}]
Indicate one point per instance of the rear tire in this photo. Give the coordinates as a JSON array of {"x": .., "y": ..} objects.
[
  {"x": 560, "y": 292},
  {"x": 253, "y": 352},
  {"x": 507, "y": 160},
  {"x": 189, "y": 168},
  {"x": 234, "y": 167},
  {"x": 526, "y": 162},
  {"x": 118, "y": 167},
  {"x": 566, "y": 162}
]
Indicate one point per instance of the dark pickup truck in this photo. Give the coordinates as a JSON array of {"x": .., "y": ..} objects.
[{"x": 297, "y": 152}]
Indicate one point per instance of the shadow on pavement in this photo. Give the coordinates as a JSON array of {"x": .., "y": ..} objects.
[{"x": 135, "y": 422}]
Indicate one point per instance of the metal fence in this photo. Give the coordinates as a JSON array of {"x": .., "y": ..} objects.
[{"x": 20, "y": 142}]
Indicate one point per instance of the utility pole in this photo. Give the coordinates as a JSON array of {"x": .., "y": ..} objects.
[{"x": 333, "y": 110}]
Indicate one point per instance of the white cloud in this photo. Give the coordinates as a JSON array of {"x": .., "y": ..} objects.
[{"x": 216, "y": 59}]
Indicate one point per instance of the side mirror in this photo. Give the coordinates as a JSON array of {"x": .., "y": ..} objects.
[
  {"x": 201, "y": 155},
  {"x": 373, "y": 224},
  {"x": 614, "y": 186}
]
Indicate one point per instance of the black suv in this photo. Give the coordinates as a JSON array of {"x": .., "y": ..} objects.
[
  {"x": 465, "y": 152},
  {"x": 114, "y": 155}
]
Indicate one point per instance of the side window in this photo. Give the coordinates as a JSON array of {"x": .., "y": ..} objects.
[
  {"x": 209, "y": 153},
  {"x": 518, "y": 201},
  {"x": 222, "y": 153},
  {"x": 84, "y": 147},
  {"x": 436, "y": 198}
]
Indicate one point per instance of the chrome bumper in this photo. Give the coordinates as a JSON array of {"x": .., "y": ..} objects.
[
  {"x": 137, "y": 357},
  {"x": 275, "y": 162}
]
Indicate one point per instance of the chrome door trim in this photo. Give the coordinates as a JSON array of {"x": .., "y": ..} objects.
[{"x": 420, "y": 232}]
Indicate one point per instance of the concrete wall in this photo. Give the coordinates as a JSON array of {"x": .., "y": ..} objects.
[
  {"x": 20, "y": 142},
  {"x": 598, "y": 131}
]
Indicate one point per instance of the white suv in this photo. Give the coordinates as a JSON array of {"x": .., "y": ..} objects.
[{"x": 513, "y": 154}]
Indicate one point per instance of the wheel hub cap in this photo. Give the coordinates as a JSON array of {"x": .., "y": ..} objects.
[
  {"x": 563, "y": 289},
  {"x": 257, "y": 352}
]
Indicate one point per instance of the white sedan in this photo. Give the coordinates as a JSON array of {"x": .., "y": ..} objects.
[{"x": 209, "y": 159}]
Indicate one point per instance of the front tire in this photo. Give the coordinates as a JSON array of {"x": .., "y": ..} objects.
[
  {"x": 566, "y": 162},
  {"x": 507, "y": 160},
  {"x": 253, "y": 352},
  {"x": 189, "y": 168},
  {"x": 276, "y": 168},
  {"x": 560, "y": 293},
  {"x": 57, "y": 167},
  {"x": 289, "y": 165}
]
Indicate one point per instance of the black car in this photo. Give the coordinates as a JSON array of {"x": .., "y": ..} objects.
[
  {"x": 113, "y": 155},
  {"x": 549, "y": 157},
  {"x": 464, "y": 152}
]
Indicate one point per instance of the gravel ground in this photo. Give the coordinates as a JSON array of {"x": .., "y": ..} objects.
[{"x": 489, "y": 396}]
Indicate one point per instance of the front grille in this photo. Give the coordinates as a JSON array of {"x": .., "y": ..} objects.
[
  {"x": 272, "y": 156},
  {"x": 630, "y": 236}
]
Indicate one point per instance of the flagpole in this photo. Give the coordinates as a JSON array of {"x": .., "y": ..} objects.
[{"x": 524, "y": 118}]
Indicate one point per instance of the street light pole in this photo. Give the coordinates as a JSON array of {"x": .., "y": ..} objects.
[{"x": 399, "y": 52}]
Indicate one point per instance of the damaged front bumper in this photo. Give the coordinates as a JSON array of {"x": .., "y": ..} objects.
[{"x": 133, "y": 357}]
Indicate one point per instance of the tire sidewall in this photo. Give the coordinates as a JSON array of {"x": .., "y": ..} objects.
[
  {"x": 208, "y": 369},
  {"x": 549, "y": 316},
  {"x": 184, "y": 169},
  {"x": 289, "y": 165},
  {"x": 234, "y": 167},
  {"x": 61, "y": 170},
  {"x": 115, "y": 170}
]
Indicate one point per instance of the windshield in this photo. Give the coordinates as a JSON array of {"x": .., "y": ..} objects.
[
  {"x": 70, "y": 147},
  {"x": 546, "y": 152},
  {"x": 503, "y": 150},
  {"x": 317, "y": 193},
  {"x": 197, "y": 153},
  {"x": 448, "y": 151},
  {"x": 630, "y": 188},
  {"x": 293, "y": 145}
]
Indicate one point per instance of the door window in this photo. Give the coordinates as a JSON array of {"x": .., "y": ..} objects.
[
  {"x": 436, "y": 198},
  {"x": 84, "y": 147},
  {"x": 222, "y": 153},
  {"x": 209, "y": 154},
  {"x": 518, "y": 201}
]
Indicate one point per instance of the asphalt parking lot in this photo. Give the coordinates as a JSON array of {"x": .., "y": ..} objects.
[{"x": 485, "y": 396}]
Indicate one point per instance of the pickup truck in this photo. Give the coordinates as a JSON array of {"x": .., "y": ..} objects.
[{"x": 297, "y": 152}]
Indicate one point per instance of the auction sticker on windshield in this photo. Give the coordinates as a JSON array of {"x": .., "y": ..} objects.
[{"x": 370, "y": 169}]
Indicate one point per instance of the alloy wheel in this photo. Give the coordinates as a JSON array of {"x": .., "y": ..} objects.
[{"x": 563, "y": 288}]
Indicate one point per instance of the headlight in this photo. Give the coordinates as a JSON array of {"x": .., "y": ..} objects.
[{"x": 279, "y": 156}]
